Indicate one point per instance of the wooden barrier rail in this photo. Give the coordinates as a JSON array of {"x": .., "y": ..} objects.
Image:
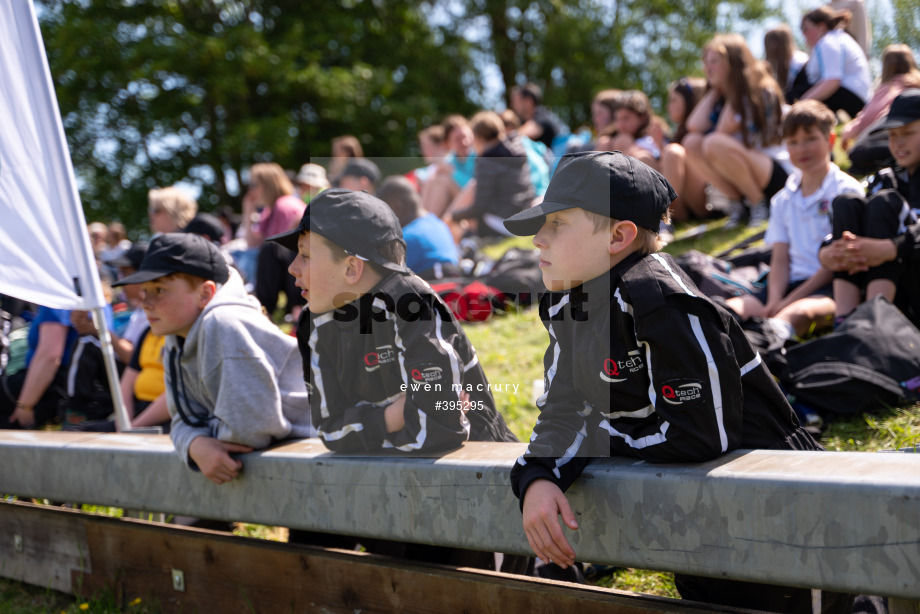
[
  {"x": 839, "y": 521},
  {"x": 179, "y": 569}
]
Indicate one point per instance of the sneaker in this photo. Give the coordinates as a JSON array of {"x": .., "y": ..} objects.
[
  {"x": 759, "y": 215},
  {"x": 736, "y": 214},
  {"x": 783, "y": 329},
  {"x": 716, "y": 200}
]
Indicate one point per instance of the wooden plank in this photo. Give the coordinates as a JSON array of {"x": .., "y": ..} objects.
[
  {"x": 903, "y": 606},
  {"x": 41, "y": 549},
  {"x": 227, "y": 574},
  {"x": 131, "y": 558}
]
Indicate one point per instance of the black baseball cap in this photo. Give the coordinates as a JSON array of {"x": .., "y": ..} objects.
[
  {"x": 131, "y": 258},
  {"x": 355, "y": 221},
  {"x": 608, "y": 183},
  {"x": 178, "y": 252},
  {"x": 904, "y": 109},
  {"x": 206, "y": 225}
]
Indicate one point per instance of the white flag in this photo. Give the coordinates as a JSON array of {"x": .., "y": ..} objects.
[{"x": 45, "y": 253}]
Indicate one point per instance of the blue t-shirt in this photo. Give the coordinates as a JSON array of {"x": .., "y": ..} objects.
[
  {"x": 428, "y": 241},
  {"x": 539, "y": 169},
  {"x": 463, "y": 171},
  {"x": 57, "y": 316}
]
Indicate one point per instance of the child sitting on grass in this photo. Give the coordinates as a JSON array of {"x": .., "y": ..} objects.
[
  {"x": 866, "y": 230},
  {"x": 798, "y": 297}
]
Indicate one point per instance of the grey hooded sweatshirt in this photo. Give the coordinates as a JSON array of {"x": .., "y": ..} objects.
[{"x": 236, "y": 377}]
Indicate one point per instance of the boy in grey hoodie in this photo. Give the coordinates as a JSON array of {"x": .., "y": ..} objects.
[{"x": 234, "y": 381}]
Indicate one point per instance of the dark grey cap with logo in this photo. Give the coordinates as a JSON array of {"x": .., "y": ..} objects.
[
  {"x": 355, "y": 221},
  {"x": 608, "y": 183}
]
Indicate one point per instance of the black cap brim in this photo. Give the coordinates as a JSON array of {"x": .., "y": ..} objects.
[
  {"x": 141, "y": 277},
  {"x": 890, "y": 124},
  {"x": 529, "y": 221},
  {"x": 287, "y": 239}
]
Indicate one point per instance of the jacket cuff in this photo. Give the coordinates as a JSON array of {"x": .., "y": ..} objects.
[
  {"x": 375, "y": 428},
  {"x": 182, "y": 440},
  {"x": 523, "y": 476}
]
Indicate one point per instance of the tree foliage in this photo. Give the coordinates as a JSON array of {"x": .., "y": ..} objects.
[
  {"x": 901, "y": 25},
  {"x": 575, "y": 48},
  {"x": 153, "y": 92}
]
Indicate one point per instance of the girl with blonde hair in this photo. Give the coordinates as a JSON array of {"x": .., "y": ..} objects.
[{"x": 170, "y": 209}]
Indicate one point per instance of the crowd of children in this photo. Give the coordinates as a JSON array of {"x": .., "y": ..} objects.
[{"x": 640, "y": 363}]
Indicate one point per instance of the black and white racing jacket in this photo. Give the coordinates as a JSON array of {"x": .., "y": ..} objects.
[
  {"x": 641, "y": 364},
  {"x": 399, "y": 338}
]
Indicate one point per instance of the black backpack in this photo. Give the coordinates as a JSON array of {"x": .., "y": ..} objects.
[
  {"x": 517, "y": 275},
  {"x": 720, "y": 278},
  {"x": 866, "y": 365}
]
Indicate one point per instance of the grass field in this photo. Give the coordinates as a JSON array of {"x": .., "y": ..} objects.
[{"x": 511, "y": 350}]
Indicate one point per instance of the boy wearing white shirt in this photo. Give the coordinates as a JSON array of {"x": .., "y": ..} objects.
[{"x": 798, "y": 296}]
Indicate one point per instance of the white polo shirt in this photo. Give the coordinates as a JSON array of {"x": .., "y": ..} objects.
[
  {"x": 838, "y": 56},
  {"x": 802, "y": 222}
]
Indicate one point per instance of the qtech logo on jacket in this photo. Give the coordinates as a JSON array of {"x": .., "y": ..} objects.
[
  {"x": 682, "y": 392},
  {"x": 614, "y": 371},
  {"x": 382, "y": 356},
  {"x": 426, "y": 374}
]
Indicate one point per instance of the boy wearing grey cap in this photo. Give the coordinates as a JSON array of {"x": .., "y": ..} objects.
[
  {"x": 386, "y": 364},
  {"x": 233, "y": 379},
  {"x": 640, "y": 363}
]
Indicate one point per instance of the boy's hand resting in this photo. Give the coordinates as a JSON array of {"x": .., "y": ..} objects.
[
  {"x": 854, "y": 254},
  {"x": 213, "y": 458},
  {"x": 543, "y": 503}
]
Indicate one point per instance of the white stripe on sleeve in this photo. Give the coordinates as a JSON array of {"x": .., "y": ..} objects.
[
  {"x": 714, "y": 383},
  {"x": 750, "y": 366},
  {"x": 673, "y": 274}
]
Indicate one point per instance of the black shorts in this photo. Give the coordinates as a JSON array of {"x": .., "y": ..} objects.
[{"x": 778, "y": 177}]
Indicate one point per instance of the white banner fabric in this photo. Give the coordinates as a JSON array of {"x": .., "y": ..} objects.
[{"x": 45, "y": 253}]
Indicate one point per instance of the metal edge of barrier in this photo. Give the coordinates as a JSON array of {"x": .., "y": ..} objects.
[{"x": 839, "y": 521}]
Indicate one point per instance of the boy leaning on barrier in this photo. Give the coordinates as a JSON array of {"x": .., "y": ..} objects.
[
  {"x": 386, "y": 364},
  {"x": 234, "y": 381},
  {"x": 640, "y": 363}
]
